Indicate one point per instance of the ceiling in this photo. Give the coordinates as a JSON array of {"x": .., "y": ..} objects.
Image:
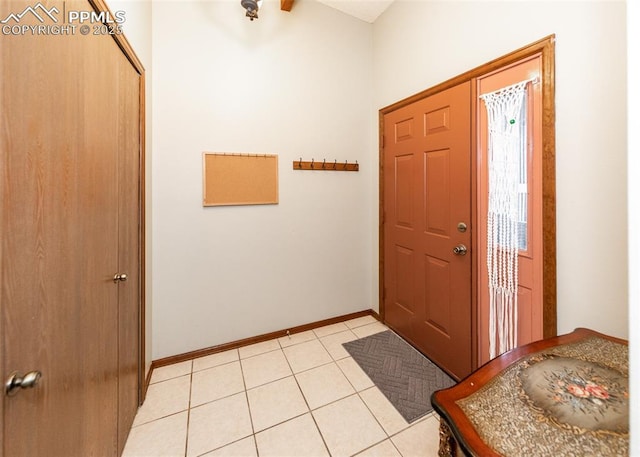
[{"x": 366, "y": 10}]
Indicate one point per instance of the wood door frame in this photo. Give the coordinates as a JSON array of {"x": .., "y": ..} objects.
[
  {"x": 545, "y": 47},
  {"x": 129, "y": 53}
]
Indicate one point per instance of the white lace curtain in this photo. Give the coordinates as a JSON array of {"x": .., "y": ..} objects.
[{"x": 507, "y": 144}]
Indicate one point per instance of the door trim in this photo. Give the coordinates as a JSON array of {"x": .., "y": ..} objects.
[
  {"x": 121, "y": 40},
  {"x": 546, "y": 47}
]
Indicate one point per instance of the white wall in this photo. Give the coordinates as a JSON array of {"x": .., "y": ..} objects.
[
  {"x": 418, "y": 44},
  {"x": 633, "y": 172},
  {"x": 137, "y": 29},
  {"x": 294, "y": 84},
  {"x": 136, "y": 26},
  {"x": 308, "y": 84}
]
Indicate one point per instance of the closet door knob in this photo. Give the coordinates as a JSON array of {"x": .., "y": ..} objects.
[
  {"x": 16, "y": 382},
  {"x": 119, "y": 277}
]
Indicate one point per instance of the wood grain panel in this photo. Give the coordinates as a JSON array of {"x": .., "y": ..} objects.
[
  {"x": 96, "y": 344},
  {"x": 129, "y": 245}
]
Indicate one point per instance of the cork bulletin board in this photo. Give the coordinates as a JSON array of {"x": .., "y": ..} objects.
[{"x": 239, "y": 179}]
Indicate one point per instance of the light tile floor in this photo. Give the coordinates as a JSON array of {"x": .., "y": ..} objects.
[{"x": 297, "y": 396}]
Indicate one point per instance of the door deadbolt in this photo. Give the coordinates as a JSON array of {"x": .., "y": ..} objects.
[
  {"x": 462, "y": 227},
  {"x": 16, "y": 382},
  {"x": 460, "y": 249}
]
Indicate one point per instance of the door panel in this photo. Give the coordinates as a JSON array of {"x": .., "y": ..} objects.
[
  {"x": 437, "y": 121},
  {"x": 404, "y": 279},
  {"x": 404, "y": 129},
  {"x": 437, "y": 284},
  {"x": 427, "y": 168},
  {"x": 436, "y": 191},
  {"x": 404, "y": 191},
  {"x": 129, "y": 253}
]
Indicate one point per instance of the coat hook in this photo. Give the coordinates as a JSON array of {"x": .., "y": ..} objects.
[
  {"x": 345, "y": 164},
  {"x": 335, "y": 162},
  {"x": 312, "y": 162},
  {"x": 300, "y": 163},
  {"x": 324, "y": 161}
]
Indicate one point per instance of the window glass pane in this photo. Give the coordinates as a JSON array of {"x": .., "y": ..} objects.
[{"x": 523, "y": 184}]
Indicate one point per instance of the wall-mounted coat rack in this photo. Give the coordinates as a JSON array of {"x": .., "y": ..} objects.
[{"x": 325, "y": 166}]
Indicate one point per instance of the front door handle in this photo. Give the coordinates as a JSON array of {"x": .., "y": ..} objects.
[
  {"x": 15, "y": 382},
  {"x": 460, "y": 249}
]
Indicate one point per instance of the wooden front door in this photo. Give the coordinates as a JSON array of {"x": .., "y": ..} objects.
[
  {"x": 427, "y": 226},
  {"x": 69, "y": 155}
]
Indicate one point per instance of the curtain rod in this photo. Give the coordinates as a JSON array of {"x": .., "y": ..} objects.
[{"x": 534, "y": 80}]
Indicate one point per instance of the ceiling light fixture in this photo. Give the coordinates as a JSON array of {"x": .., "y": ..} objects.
[{"x": 252, "y": 7}]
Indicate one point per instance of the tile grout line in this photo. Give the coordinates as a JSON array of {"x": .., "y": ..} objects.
[
  {"x": 217, "y": 365},
  {"x": 335, "y": 362},
  {"x": 246, "y": 397},
  {"x": 388, "y": 436},
  {"x": 186, "y": 438},
  {"x": 155, "y": 419},
  {"x": 244, "y": 384},
  {"x": 255, "y": 440},
  {"x": 239, "y": 360},
  {"x": 248, "y": 409},
  {"x": 324, "y": 442},
  {"x": 366, "y": 405},
  {"x": 306, "y": 402},
  {"x": 327, "y": 349}
]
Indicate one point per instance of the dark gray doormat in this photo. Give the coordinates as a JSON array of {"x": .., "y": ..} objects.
[{"x": 404, "y": 375}]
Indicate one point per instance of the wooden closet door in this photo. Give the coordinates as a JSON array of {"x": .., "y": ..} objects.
[
  {"x": 59, "y": 231},
  {"x": 129, "y": 253},
  {"x": 68, "y": 160}
]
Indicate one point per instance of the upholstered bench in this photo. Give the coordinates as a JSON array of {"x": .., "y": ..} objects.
[{"x": 563, "y": 396}]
